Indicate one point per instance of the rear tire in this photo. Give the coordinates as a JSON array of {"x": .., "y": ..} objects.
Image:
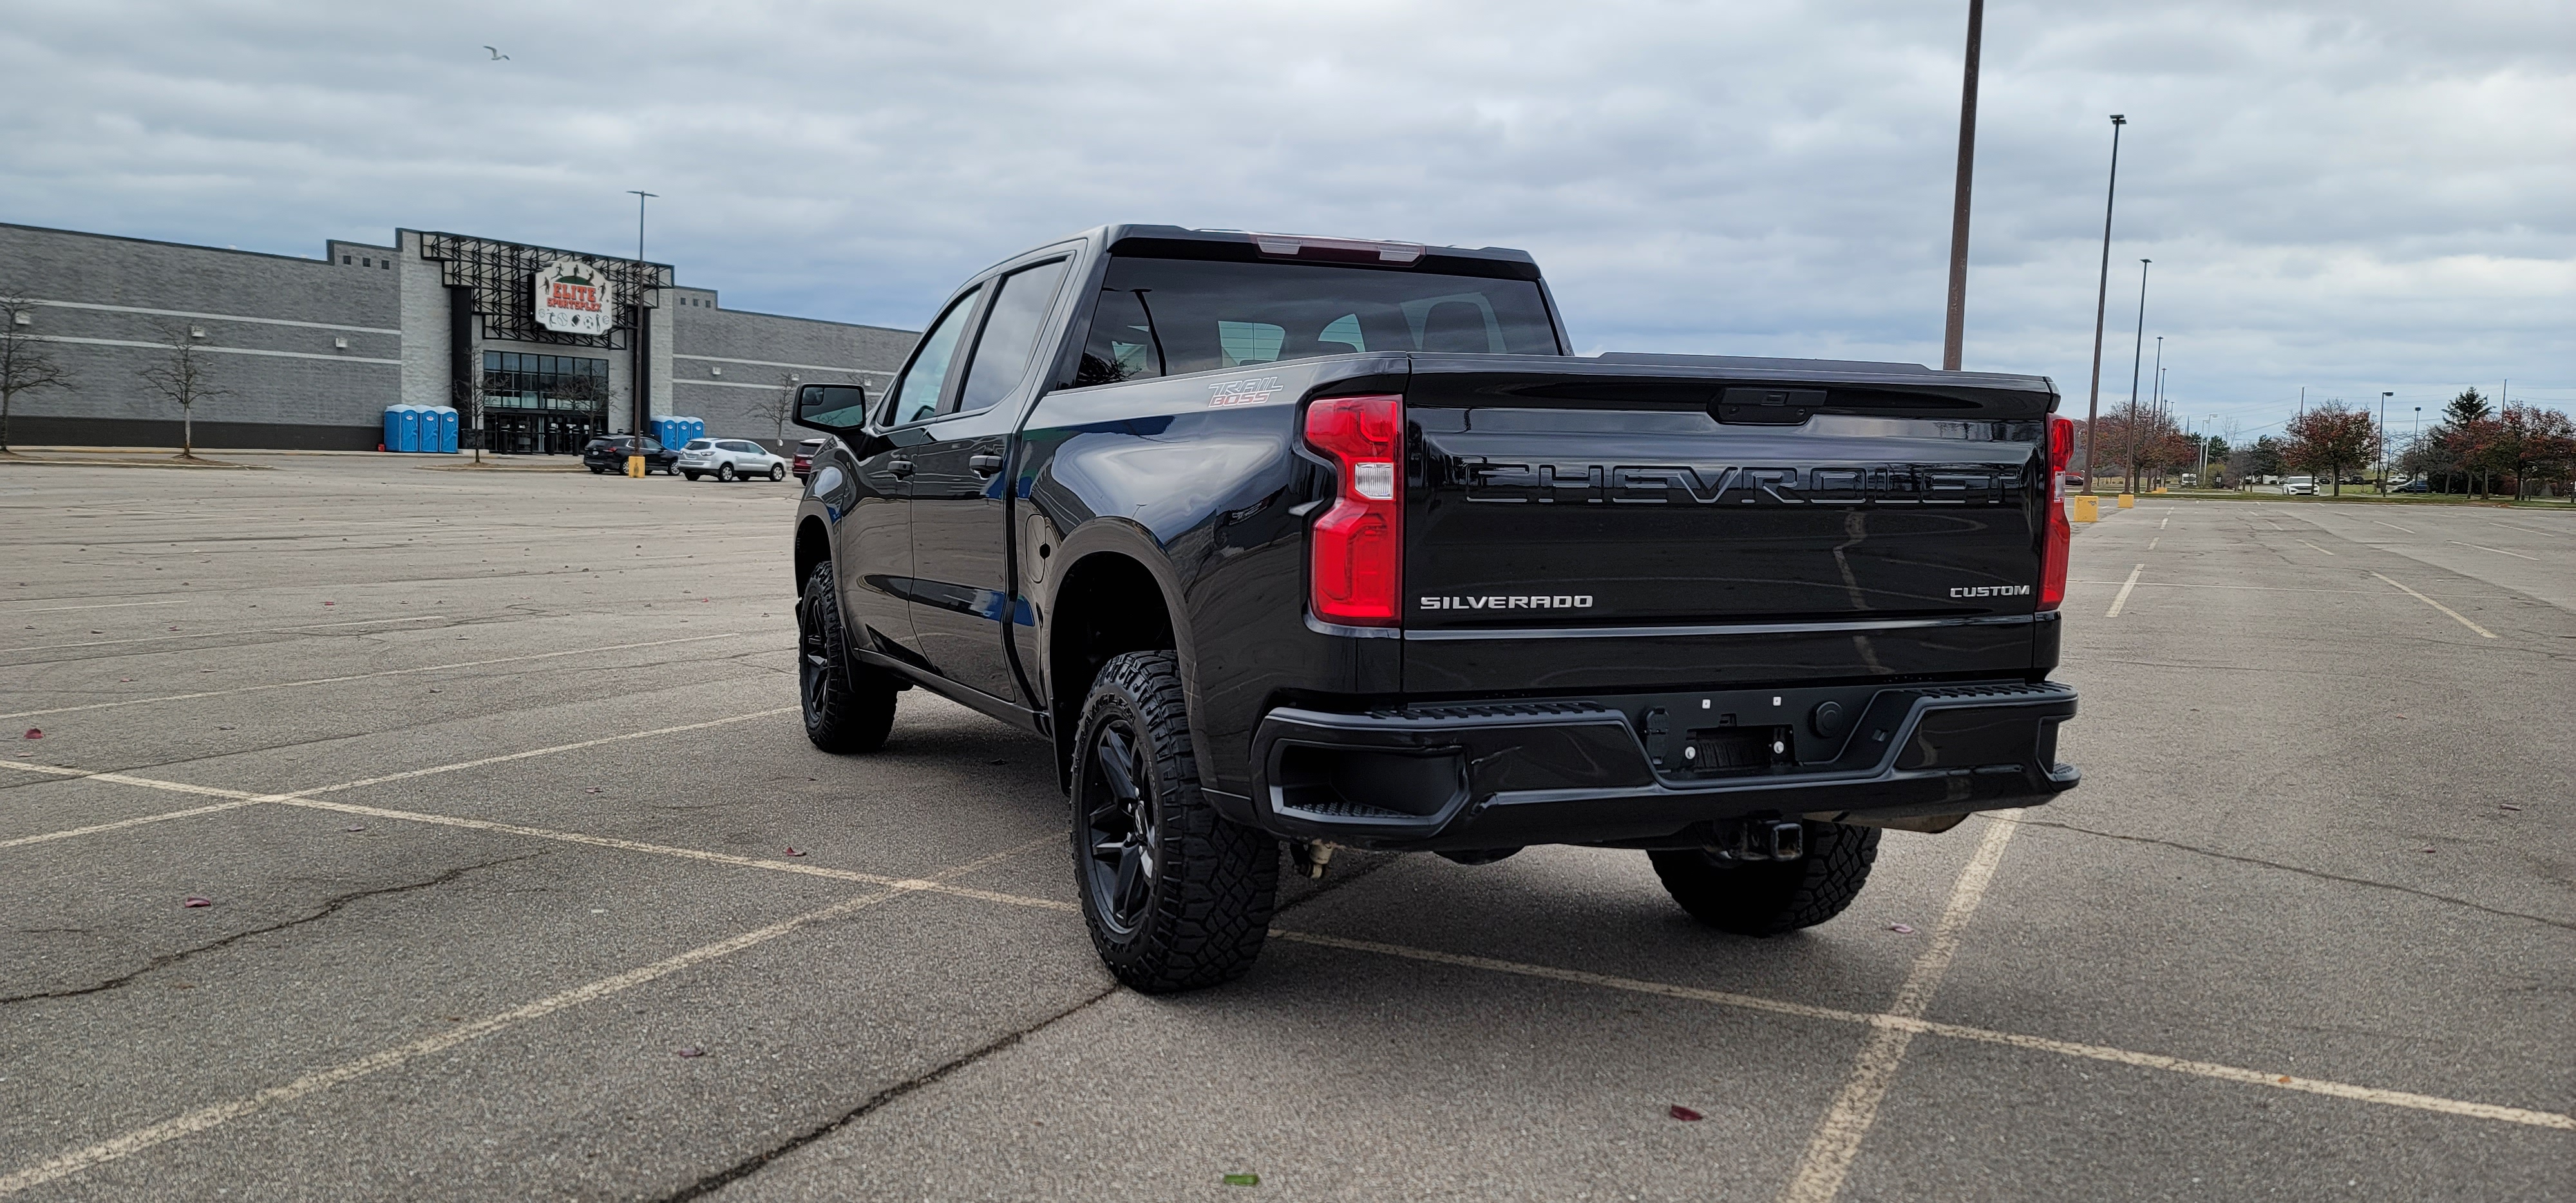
[
  {"x": 1175, "y": 896},
  {"x": 1766, "y": 898},
  {"x": 849, "y": 707}
]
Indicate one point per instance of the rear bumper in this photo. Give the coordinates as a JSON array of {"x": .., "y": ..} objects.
[{"x": 1612, "y": 770}]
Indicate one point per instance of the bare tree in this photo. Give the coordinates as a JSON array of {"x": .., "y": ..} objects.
[
  {"x": 183, "y": 378},
  {"x": 469, "y": 395},
  {"x": 26, "y": 364},
  {"x": 780, "y": 406}
]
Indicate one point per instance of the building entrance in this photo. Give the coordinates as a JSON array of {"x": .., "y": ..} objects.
[{"x": 543, "y": 404}]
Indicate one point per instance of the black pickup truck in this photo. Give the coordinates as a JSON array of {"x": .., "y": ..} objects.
[{"x": 1334, "y": 543}]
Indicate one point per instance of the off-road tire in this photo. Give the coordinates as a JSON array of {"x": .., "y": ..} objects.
[
  {"x": 849, "y": 706},
  {"x": 1212, "y": 884},
  {"x": 724, "y": 472},
  {"x": 1766, "y": 898}
]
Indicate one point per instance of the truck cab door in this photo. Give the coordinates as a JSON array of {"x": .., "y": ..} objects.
[
  {"x": 875, "y": 556},
  {"x": 962, "y": 596}
]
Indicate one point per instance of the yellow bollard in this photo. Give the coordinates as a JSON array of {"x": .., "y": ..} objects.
[
  {"x": 2157, "y": 489},
  {"x": 2128, "y": 500},
  {"x": 635, "y": 466},
  {"x": 2085, "y": 508}
]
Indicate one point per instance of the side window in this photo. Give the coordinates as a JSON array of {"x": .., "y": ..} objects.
[
  {"x": 1010, "y": 335},
  {"x": 1125, "y": 344},
  {"x": 917, "y": 396}
]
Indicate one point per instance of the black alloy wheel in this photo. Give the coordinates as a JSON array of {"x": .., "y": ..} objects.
[
  {"x": 724, "y": 471},
  {"x": 849, "y": 707},
  {"x": 1175, "y": 896},
  {"x": 1119, "y": 826}
]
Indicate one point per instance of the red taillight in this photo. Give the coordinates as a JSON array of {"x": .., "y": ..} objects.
[
  {"x": 1358, "y": 564},
  {"x": 2061, "y": 535}
]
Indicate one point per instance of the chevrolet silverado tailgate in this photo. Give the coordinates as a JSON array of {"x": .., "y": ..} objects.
[{"x": 1652, "y": 520}]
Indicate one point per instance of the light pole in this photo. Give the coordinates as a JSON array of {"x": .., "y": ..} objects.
[
  {"x": 2156, "y": 396},
  {"x": 2136, "y": 353},
  {"x": 643, "y": 360},
  {"x": 2102, "y": 302},
  {"x": 1954, "y": 332},
  {"x": 2383, "y": 443}
]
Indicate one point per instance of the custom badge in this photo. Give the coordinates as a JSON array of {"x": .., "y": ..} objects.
[{"x": 1257, "y": 390}]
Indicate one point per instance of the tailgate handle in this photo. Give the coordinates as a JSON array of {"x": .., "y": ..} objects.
[{"x": 1769, "y": 406}]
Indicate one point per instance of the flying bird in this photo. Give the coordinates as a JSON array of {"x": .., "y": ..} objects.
[{"x": 497, "y": 56}]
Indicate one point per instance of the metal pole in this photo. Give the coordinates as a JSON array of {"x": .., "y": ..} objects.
[
  {"x": 2156, "y": 402},
  {"x": 2137, "y": 351},
  {"x": 1954, "y": 333},
  {"x": 635, "y": 464},
  {"x": 2101, "y": 303}
]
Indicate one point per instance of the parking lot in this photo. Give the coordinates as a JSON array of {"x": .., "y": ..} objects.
[{"x": 521, "y": 880}]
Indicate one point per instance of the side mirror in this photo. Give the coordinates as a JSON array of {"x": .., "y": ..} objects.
[{"x": 832, "y": 408}]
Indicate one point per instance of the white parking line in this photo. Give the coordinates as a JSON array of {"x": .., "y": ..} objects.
[
  {"x": 2498, "y": 550},
  {"x": 2314, "y": 545},
  {"x": 2066, "y": 1048},
  {"x": 311, "y": 626},
  {"x": 390, "y": 672},
  {"x": 2462, "y": 619},
  {"x": 2164, "y": 522},
  {"x": 214, "y": 1115},
  {"x": 2531, "y": 529},
  {"x": 1836, "y": 1142},
  {"x": 2393, "y": 526},
  {"x": 2151, "y": 543},
  {"x": 2122, "y": 601}
]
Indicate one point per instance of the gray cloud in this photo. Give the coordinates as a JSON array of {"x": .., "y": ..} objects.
[{"x": 2352, "y": 197}]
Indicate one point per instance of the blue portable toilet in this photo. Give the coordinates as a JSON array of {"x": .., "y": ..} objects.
[
  {"x": 393, "y": 428},
  {"x": 447, "y": 417},
  {"x": 697, "y": 430},
  {"x": 408, "y": 433}
]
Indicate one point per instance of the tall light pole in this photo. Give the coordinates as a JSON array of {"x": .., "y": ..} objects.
[
  {"x": 1954, "y": 333},
  {"x": 2137, "y": 353},
  {"x": 643, "y": 359},
  {"x": 2102, "y": 303},
  {"x": 2156, "y": 396}
]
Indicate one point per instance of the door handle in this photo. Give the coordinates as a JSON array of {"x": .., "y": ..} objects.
[
  {"x": 900, "y": 467},
  {"x": 984, "y": 465}
]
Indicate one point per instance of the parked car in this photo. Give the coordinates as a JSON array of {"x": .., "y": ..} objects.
[
  {"x": 609, "y": 453},
  {"x": 2299, "y": 486},
  {"x": 730, "y": 459},
  {"x": 804, "y": 461},
  {"x": 1341, "y": 546},
  {"x": 2412, "y": 486}
]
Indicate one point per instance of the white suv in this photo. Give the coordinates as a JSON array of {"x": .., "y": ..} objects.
[
  {"x": 729, "y": 459},
  {"x": 2295, "y": 486}
]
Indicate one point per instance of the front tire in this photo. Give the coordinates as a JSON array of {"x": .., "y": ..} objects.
[
  {"x": 1766, "y": 898},
  {"x": 777, "y": 472},
  {"x": 849, "y": 707},
  {"x": 1175, "y": 896}
]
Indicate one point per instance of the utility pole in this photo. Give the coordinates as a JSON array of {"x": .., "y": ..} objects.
[
  {"x": 2101, "y": 303},
  {"x": 635, "y": 464},
  {"x": 1954, "y": 334},
  {"x": 2136, "y": 351}
]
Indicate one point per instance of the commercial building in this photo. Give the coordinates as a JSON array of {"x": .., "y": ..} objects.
[{"x": 557, "y": 346}]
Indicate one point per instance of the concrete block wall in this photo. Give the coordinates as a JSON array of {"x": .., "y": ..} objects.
[
  {"x": 728, "y": 366},
  {"x": 310, "y": 351}
]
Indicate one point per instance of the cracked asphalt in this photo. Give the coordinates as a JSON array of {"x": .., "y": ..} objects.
[{"x": 490, "y": 782}]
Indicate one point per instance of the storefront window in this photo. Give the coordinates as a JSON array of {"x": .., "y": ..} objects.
[{"x": 519, "y": 380}]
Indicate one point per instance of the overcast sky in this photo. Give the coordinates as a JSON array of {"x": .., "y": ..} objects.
[{"x": 2353, "y": 197}]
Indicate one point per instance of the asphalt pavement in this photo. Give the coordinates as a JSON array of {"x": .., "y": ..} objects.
[{"x": 520, "y": 880}]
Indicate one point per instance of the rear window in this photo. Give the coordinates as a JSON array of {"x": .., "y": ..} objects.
[
  {"x": 1164, "y": 317},
  {"x": 699, "y": 444}
]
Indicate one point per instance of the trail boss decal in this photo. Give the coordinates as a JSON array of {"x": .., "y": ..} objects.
[
  {"x": 1226, "y": 394},
  {"x": 1990, "y": 591},
  {"x": 573, "y": 298},
  {"x": 1510, "y": 601}
]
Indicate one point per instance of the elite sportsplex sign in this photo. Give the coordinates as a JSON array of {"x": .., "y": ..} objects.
[{"x": 573, "y": 298}]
